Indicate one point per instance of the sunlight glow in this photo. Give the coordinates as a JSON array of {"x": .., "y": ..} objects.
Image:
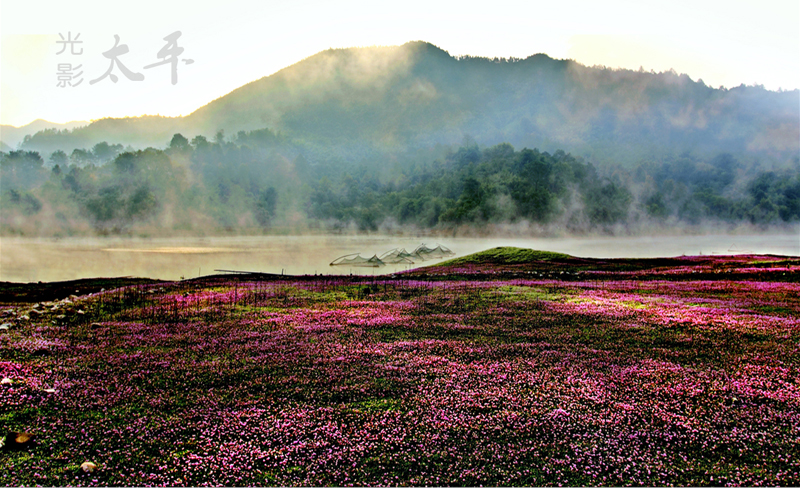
[{"x": 724, "y": 43}]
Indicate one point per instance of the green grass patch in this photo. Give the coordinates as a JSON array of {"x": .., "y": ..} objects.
[
  {"x": 776, "y": 262},
  {"x": 377, "y": 405},
  {"x": 777, "y": 310},
  {"x": 632, "y": 304},
  {"x": 506, "y": 255},
  {"x": 530, "y": 293}
]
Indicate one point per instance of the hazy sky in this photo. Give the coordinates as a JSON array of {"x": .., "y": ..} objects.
[{"x": 232, "y": 43}]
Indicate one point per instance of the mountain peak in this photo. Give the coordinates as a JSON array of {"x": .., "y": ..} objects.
[{"x": 419, "y": 94}]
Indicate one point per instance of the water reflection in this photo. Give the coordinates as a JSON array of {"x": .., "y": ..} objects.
[{"x": 24, "y": 260}]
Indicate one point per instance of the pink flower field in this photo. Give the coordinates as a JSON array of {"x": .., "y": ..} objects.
[{"x": 463, "y": 376}]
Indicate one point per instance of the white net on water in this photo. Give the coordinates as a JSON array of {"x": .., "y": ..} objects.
[
  {"x": 356, "y": 260},
  {"x": 394, "y": 256}
]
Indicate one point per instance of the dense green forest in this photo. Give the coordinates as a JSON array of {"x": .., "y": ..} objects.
[{"x": 263, "y": 182}]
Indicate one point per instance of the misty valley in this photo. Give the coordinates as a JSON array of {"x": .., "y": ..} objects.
[
  {"x": 254, "y": 187},
  {"x": 411, "y": 139}
]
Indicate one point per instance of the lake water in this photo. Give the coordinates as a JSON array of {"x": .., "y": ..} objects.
[{"x": 28, "y": 259}]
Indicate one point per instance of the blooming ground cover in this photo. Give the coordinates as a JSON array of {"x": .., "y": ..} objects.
[{"x": 406, "y": 381}]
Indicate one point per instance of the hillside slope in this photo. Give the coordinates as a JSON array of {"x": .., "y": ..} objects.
[{"x": 418, "y": 95}]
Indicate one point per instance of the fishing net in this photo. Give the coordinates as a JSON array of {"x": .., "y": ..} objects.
[
  {"x": 356, "y": 260},
  {"x": 395, "y": 256}
]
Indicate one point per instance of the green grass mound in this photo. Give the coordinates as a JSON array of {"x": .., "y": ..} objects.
[{"x": 506, "y": 255}]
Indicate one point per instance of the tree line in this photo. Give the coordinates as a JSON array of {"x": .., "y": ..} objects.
[{"x": 260, "y": 181}]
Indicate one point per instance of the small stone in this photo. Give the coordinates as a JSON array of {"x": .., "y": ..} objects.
[
  {"x": 88, "y": 467},
  {"x": 80, "y": 312},
  {"x": 50, "y": 390},
  {"x": 23, "y": 317},
  {"x": 5, "y": 326},
  {"x": 23, "y": 437},
  {"x": 6, "y": 381},
  {"x": 16, "y": 441}
]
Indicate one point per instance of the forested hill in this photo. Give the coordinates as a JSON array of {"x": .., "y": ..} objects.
[{"x": 417, "y": 95}]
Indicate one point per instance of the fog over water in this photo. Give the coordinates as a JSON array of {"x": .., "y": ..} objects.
[{"x": 31, "y": 259}]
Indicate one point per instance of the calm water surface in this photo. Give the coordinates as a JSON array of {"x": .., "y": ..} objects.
[{"x": 26, "y": 259}]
